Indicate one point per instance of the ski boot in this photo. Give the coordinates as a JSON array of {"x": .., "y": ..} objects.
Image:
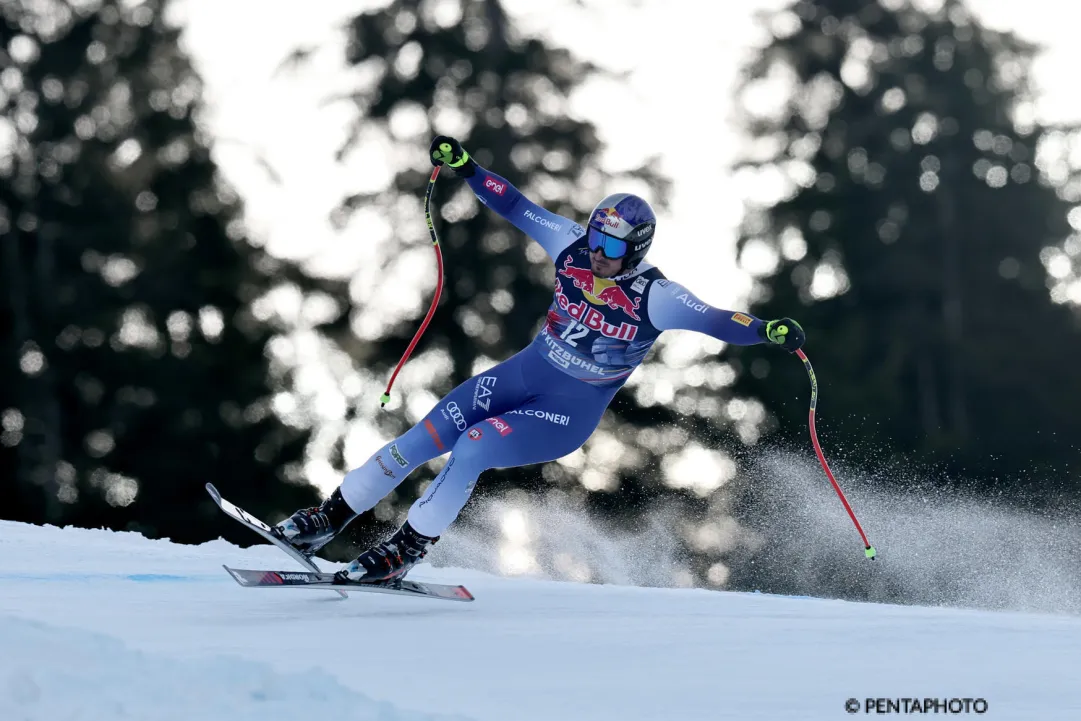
[
  {"x": 309, "y": 529},
  {"x": 389, "y": 560}
]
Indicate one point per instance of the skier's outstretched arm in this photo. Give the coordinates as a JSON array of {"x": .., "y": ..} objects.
[
  {"x": 552, "y": 231},
  {"x": 673, "y": 307}
]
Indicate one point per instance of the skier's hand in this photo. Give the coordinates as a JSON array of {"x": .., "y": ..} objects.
[
  {"x": 448, "y": 151},
  {"x": 785, "y": 332}
]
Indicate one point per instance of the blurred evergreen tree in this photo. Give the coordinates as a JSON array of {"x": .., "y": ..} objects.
[
  {"x": 135, "y": 365},
  {"x": 924, "y": 208}
]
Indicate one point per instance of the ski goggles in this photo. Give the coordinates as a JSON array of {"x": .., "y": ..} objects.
[{"x": 613, "y": 248}]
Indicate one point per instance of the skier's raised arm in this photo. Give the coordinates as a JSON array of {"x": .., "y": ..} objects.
[
  {"x": 673, "y": 307},
  {"x": 552, "y": 231}
]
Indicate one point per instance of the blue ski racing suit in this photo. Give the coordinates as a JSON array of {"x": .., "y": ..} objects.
[{"x": 544, "y": 402}]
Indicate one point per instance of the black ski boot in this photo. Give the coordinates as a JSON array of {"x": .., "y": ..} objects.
[
  {"x": 309, "y": 529},
  {"x": 389, "y": 560}
]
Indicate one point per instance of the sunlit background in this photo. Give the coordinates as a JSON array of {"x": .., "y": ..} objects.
[{"x": 260, "y": 232}]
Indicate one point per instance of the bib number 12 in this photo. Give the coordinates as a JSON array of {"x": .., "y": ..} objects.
[{"x": 573, "y": 333}]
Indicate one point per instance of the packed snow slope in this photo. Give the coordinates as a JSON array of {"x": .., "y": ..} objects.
[{"x": 102, "y": 625}]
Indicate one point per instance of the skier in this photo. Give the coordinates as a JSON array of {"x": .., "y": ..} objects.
[{"x": 544, "y": 402}]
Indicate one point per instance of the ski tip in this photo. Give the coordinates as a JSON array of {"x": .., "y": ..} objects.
[
  {"x": 464, "y": 594},
  {"x": 232, "y": 575},
  {"x": 213, "y": 492}
]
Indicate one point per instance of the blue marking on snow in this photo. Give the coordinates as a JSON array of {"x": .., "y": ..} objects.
[{"x": 86, "y": 577}]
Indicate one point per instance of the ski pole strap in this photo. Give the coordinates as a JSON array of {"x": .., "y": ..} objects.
[
  {"x": 868, "y": 550},
  {"x": 385, "y": 398}
]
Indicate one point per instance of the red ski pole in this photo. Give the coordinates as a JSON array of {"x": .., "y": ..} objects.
[
  {"x": 869, "y": 550},
  {"x": 385, "y": 398}
]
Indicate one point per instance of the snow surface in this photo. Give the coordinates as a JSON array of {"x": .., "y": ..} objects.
[{"x": 101, "y": 625}]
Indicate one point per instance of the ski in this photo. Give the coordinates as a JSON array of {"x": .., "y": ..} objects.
[
  {"x": 305, "y": 579},
  {"x": 263, "y": 530}
]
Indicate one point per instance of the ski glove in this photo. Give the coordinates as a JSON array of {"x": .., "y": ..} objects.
[
  {"x": 448, "y": 151},
  {"x": 785, "y": 332}
]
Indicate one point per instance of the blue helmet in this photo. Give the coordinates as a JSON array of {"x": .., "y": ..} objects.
[{"x": 622, "y": 226}]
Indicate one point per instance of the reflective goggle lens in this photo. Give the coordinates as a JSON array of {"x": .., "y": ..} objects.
[{"x": 613, "y": 248}]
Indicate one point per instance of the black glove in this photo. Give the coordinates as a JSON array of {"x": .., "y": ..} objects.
[
  {"x": 785, "y": 332},
  {"x": 448, "y": 151}
]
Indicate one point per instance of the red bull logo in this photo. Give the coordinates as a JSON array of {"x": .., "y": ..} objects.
[
  {"x": 583, "y": 278},
  {"x": 615, "y": 297},
  {"x": 592, "y": 318},
  {"x": 600, "y": 291},
  {"x": 609, "y": 217}
]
